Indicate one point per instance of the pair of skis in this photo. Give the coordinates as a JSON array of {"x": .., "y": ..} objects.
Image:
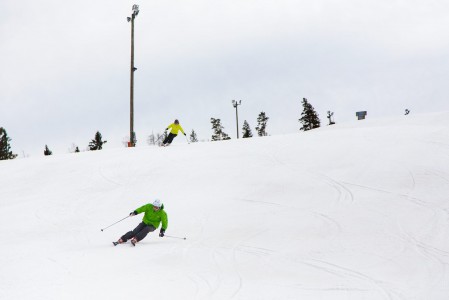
[{"x": 132, "y": 243}]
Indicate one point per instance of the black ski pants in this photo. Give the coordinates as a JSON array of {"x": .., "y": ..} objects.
[
  {"x": 140, "y": 232},
  {"x": 169, "y": 138}
]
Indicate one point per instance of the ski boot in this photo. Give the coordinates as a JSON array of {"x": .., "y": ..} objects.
[{"x": 120, "y": 241}]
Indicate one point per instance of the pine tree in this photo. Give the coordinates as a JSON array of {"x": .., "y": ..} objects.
[
  {"x": 193, "y": 137},
  {"x": 218, "y": 135},
  {"x": 47, "y": 151},
  {"x": 262, "y": 120},
  {"x": 309, "y": 118},
  {"x": 97, "y": 142},
  {"x": 77, "y": 150},
  {"x": 246, "y": 130},
  {"x": 5, "y": 147}
]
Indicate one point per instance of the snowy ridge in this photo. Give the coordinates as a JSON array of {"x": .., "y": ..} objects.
[{"x": 351, "y": 211}]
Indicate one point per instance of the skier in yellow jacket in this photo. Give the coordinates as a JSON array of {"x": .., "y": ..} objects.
[{"x": 175, "y": 128}]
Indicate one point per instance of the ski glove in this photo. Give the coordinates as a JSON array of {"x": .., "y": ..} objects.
[
  {"x": 185, "y": 134},
  {"x": 161, "y": 233},
  {"x": 133, "y": 213}
]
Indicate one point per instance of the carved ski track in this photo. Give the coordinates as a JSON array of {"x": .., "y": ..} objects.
[
  {"x": 329, "y": 220},
  {"x": 220, "y": 272},
  {"x": 428, "y": 253},
  {"x": 186, "y": 251},
  {"x": 258, "y": 251},
  {"x": 438, "y": 174},
  {"x": 222, "y": 259},
  {"x": 343, "y": 191},
  {"x": 345, "y": 194},
  {"x": 434, "y": 208},
  {"x": 259, "y": 201},
  {"x": 429, "y": 250},
  {"x": 274, "y": 158},
  {"x": 100, "y": 171},
  {"x": 197, "y": 286},
  {"x": 406, "y": 197},
  {"x": 346, "y": 272},
  {"x": 413, "y": 180}
]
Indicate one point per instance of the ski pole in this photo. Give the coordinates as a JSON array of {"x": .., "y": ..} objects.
[
  {"x": 160, "y": 137},
  {"x": 163, "y": 134},
  {"x": 175, "y": 237},
  {"x": 115, "y": 223},
  {"x": 187, "y": 139}
]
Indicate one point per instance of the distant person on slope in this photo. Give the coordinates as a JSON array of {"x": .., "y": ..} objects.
[
  {"x": 154, "y": 216},
  {"x": 175, "y": 128}
]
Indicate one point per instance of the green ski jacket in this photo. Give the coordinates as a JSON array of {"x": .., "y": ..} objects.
[{"x": 152, "y": 217}]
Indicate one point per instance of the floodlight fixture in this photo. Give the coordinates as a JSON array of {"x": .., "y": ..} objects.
[
  {"x": 235, "y": 103},
  {"x": 129, "y": 19},
  {"x": 135, "y": 9}
]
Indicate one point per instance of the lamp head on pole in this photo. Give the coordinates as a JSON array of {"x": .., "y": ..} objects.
[
  {"x": 235, "y": 103},
  {"x": 135, "y": 9}
]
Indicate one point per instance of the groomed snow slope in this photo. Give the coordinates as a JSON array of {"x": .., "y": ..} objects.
[{"x": 354, "y": 211}]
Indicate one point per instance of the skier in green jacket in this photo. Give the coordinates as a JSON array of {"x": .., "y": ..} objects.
[
  {"x": 154, "y": 216},
  {"x": 175, "y": 128}
]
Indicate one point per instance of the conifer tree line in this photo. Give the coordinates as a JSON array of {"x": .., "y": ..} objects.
[
  {"x": 6, "y": 153},
  {"x": 97, "y": 143},
  {"x": 309, "y": 120},
  {"x": 309, "y": 117},
  {"x": 246, "y": 130},
  {"x": 47, "y": 151},
  {"x": 5, "y": 147},
  {"x": 262, "y": 120},
  {"x": 219, "y": 134},
  {"x": 193, "y": 137}
]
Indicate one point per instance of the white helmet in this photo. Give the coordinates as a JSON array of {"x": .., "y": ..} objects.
[{"x": 157, "y": 203}]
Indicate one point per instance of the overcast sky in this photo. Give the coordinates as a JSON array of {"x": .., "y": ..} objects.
[{"x": 64, "y": 66}]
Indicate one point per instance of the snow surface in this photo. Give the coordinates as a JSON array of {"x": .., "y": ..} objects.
[{"x": 352, "y": 211}]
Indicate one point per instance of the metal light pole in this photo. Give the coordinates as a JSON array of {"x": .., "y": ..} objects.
[
  {"x": 132, "y": 134},
  {"x": 236, "y": 104}
]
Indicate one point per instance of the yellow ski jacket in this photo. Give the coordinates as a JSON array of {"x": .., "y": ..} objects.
[{"x": 175, "y": 128}]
